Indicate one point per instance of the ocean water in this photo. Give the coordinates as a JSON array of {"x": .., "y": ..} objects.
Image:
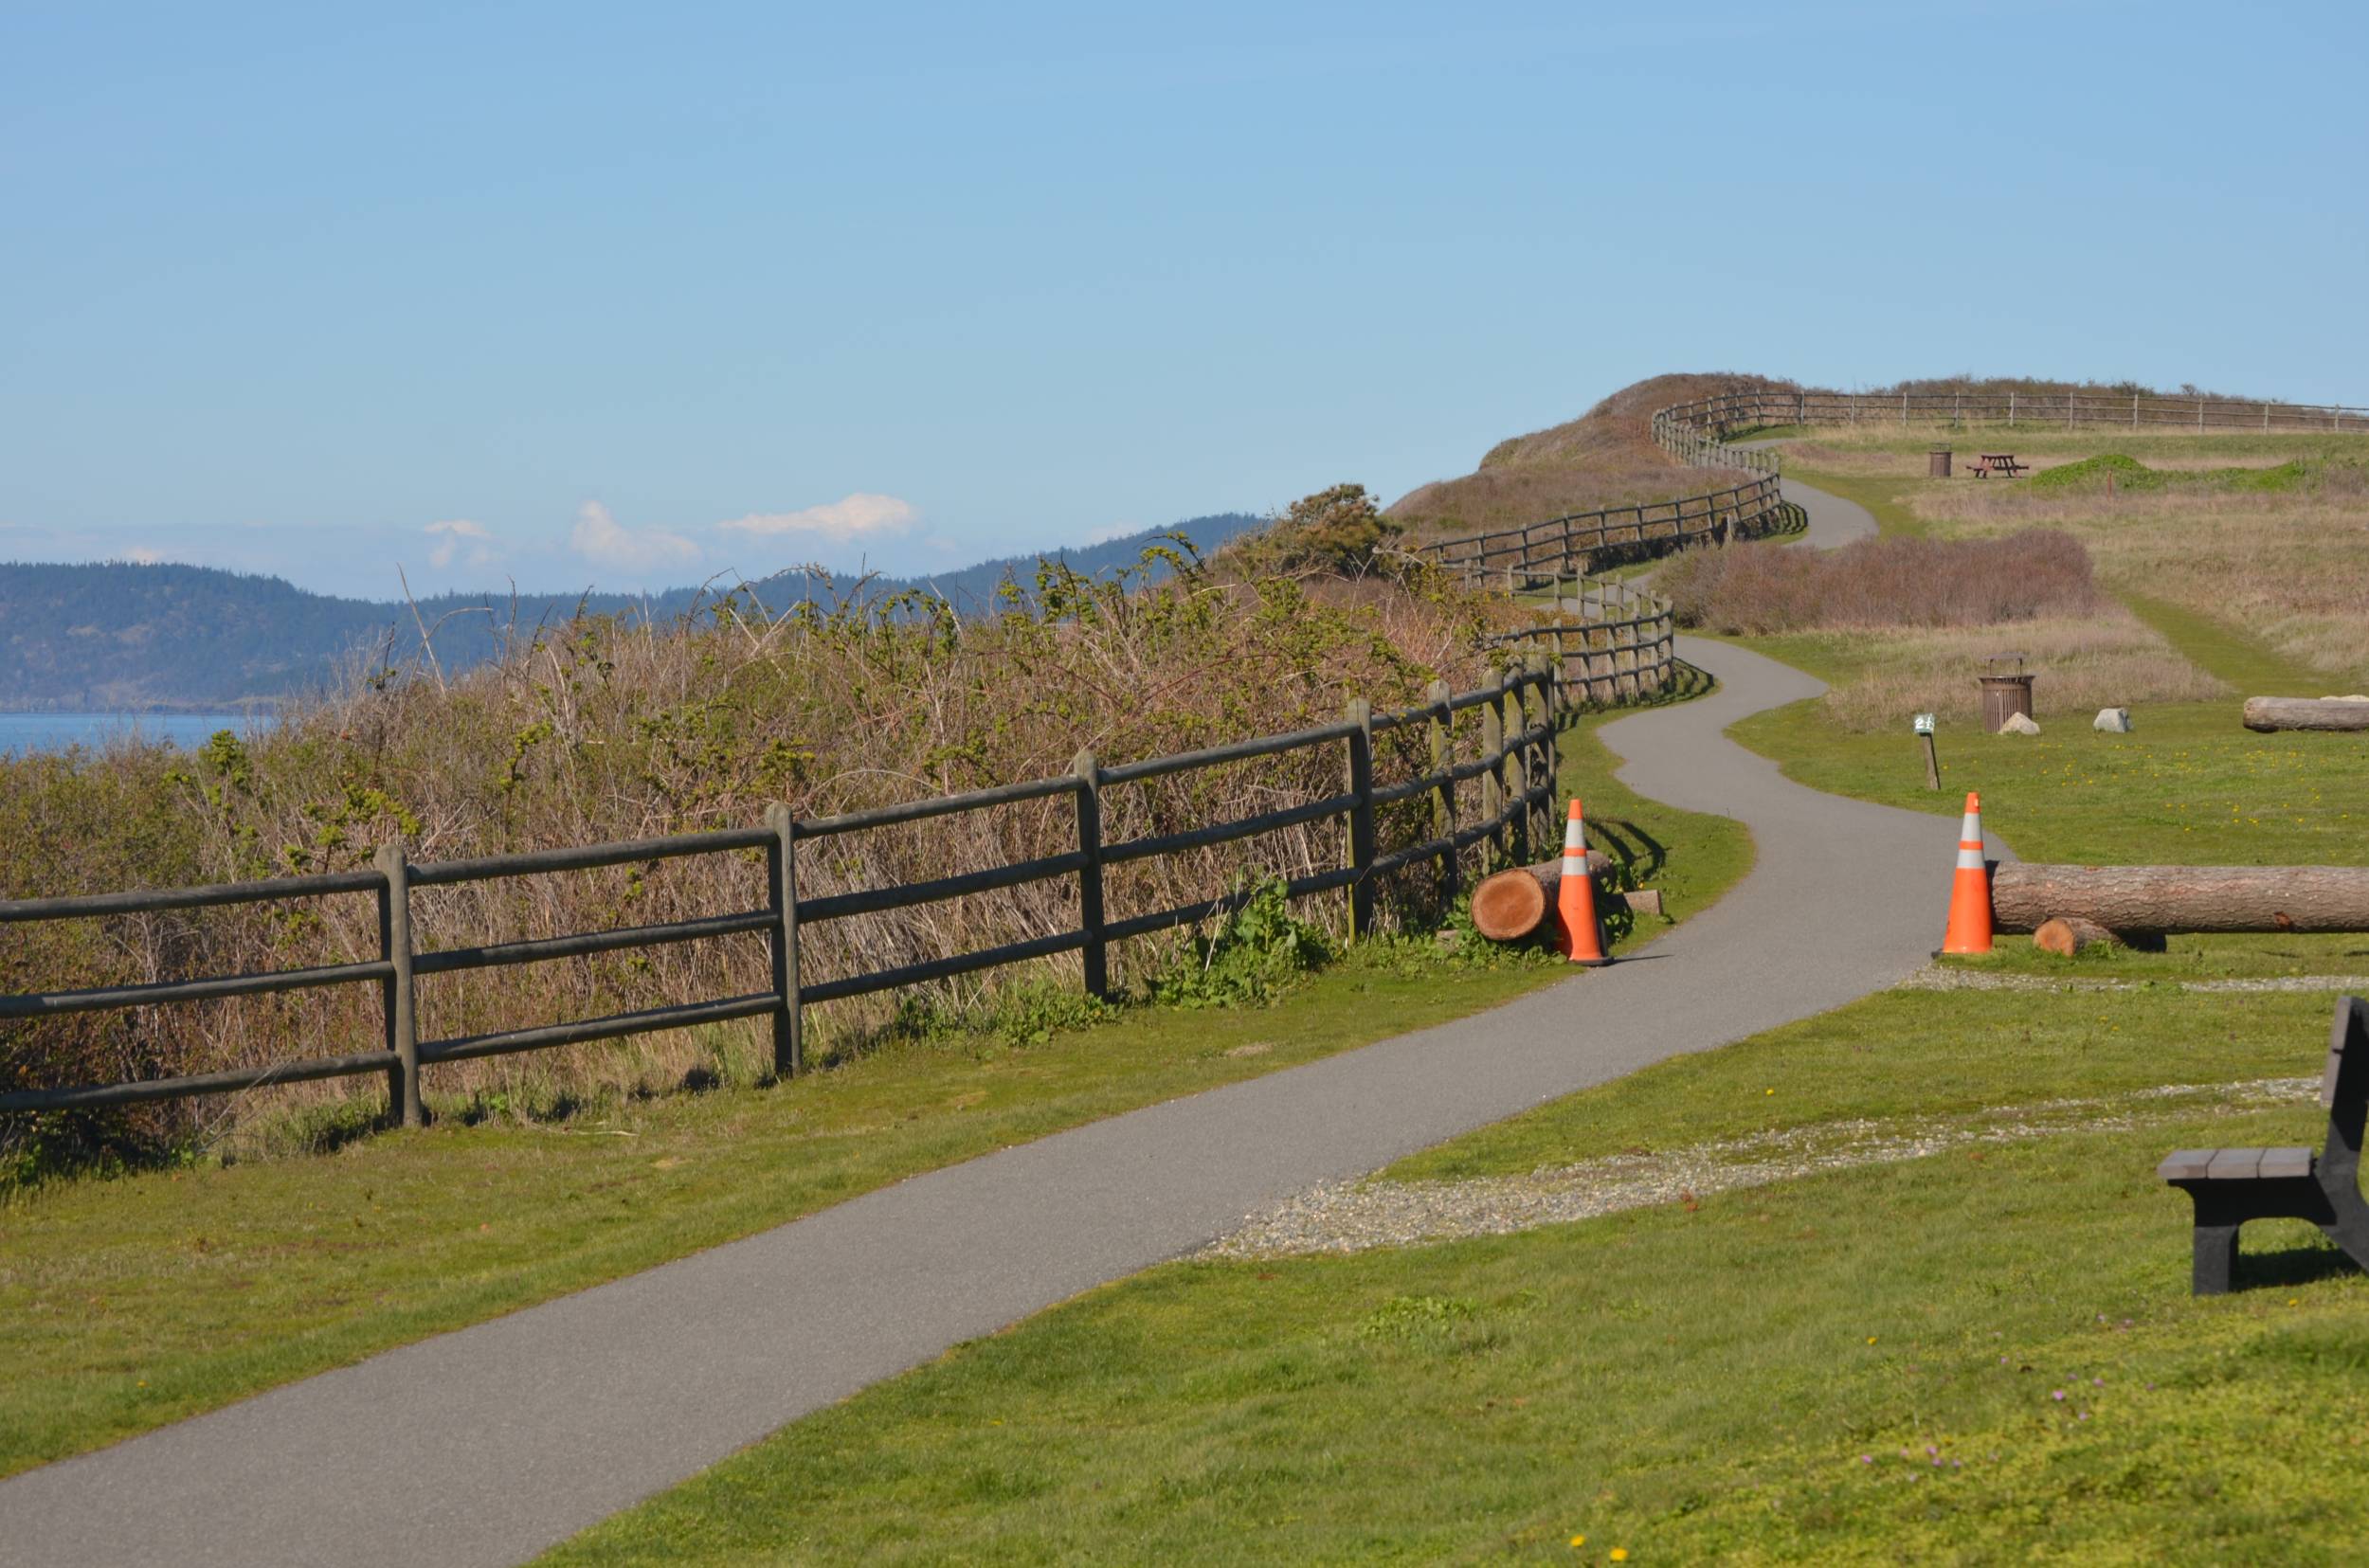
[{"x": 22, "y": 734}]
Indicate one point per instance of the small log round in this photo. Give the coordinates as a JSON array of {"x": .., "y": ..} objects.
[
  {"x": 2269, "y": 714},
  {"x": 1512, "y": 902},
  {"x": 1507, "y": 905},
  {"x": 2066, "y": 936}
]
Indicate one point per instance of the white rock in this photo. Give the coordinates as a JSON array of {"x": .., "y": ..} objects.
[
  {"x": 2019, "y": 724},
  {"x": 2113, "y": 721},
  {"x": 2354, "y": 697}
]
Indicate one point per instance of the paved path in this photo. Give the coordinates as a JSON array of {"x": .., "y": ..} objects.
[{"x": 485, "y": 1445}]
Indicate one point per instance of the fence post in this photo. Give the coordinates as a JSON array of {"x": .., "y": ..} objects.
[
  {"x": 1097, "y": 951},
  {"x": 398, "y": 1001},
  {"x": 1360, "y": 713},
  {"x": 789, "y": 1032},
  {"x": 1443, "y": 804},
  {"x": 1492, "y": 783}
]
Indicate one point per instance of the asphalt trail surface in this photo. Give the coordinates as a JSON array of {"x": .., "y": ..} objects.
[{"x": 487, "y": 1445}]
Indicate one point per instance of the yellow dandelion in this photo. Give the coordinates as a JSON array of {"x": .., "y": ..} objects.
[
  {"x": 1578, "y": 1540},
  {"x": 1620, "y": 1554},
  {"x": 1870, "y": 1339}
]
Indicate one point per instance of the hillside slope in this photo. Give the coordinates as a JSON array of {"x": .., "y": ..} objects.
[
  {"x": 1604, "y": 458},
  {"x": 117, "y": 636}
]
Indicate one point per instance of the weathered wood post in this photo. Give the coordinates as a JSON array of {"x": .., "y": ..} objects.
[
  {"x": 1492, "y": 784},
  {"x": 1512, "y": 767},
  {"x": 1096, "y": 952},
  {"x": 1443, "y": 804},
  {"x": 781, "y": 864},
  {"x": 398, "y": 1000},
  {"x": 1360, "y": 713}
]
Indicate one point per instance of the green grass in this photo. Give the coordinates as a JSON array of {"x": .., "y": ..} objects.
[
  {"x": 1693, "y": 1382},
  {"x": 2224, "y": 651},
  {"x": 129, "y": 1303},
  {"x": 2188, "y": 786},
  {"x": 1753, "y": 1376}
]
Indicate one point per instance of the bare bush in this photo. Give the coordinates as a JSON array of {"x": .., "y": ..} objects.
[{"x": 1756, "y": 589}]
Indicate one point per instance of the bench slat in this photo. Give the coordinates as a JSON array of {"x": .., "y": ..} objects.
[
  {"x": 2185, "y": 1164},
  {"x": 2234, "y": 1165},
  {"x": 2280, "y": 1162}
]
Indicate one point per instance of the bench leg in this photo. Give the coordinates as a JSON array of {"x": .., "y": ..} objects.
[{"x": 2216, "y": 1259}]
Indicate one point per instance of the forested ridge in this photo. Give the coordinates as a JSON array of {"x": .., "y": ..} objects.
[{"x": 122, "y": 636}]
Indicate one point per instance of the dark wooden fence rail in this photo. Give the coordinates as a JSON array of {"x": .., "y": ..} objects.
[
  {"x": 1517, "y": 762},
  {"x": 1708, "y": 422},
  {"x": 1623, "y": 649},
  {"x": 1538, "y": 554}
]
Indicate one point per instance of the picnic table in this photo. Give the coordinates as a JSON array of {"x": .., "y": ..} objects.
[
  {"x": 2231, "y": 1186},
  {"x": 1999, "y": 462}
]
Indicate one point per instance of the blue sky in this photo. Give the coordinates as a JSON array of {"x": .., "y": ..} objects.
[{"x": 631, "y": 295}]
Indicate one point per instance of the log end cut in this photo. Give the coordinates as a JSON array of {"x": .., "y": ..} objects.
[
  {"x": 1509, "y": 905},
  {"x": 2065, "y": 936}
]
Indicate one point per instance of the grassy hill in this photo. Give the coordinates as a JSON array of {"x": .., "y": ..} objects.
[
  {"x": 119, "y": 635},
  {"x": 1604, "y": 458}
]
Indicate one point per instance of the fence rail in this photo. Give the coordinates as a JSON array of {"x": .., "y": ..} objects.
[
  {"x": 1541, "y": 553},
  {"x": 1623, "y": 648},
  {"x": 1516, "y": 763},
  {"x": 1705, "y": 423}
]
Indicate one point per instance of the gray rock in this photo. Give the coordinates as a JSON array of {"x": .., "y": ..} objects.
[
  {"x": 2113, "y": 721},
  {"x": 2019, "y": 724}
]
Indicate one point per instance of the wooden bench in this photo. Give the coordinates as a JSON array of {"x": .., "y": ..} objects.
[
  {"x": 1989, "y": 463},
  {"x": 2231, "y": 1186}
]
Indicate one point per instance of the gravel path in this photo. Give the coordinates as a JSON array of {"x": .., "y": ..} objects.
[
  {"x": 485, "y": 1445},
  {"x": 1355, "y": 1215},
  {"x": 1936, "y": 977}
]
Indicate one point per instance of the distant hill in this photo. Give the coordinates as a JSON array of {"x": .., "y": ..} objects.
[{"x": 113, "y": 636}]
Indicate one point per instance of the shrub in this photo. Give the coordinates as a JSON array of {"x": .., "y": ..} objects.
[{"x": 1760, "y": 589}]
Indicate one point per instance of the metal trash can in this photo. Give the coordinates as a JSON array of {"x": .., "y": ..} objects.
[
  {"x": 1937, "y": 462},
  {"x": 2005, "y": 692}
]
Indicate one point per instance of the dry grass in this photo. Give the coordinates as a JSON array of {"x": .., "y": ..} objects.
[
  {"x": 1759, "y": 589},
  {"x": 2103, "y": 659},
  {"x": 1604, "y": 458},
  {"x": 600, "y": 731},
  {"x": 2286, "y": 567}
]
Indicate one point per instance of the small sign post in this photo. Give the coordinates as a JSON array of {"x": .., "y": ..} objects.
[{"x": 1932, "y": 762}]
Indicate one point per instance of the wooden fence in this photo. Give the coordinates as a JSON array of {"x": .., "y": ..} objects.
[
  {"x": 1703, "y": 425},
  {"x": 1623, "y": 649},
  {"x": 1516, "y": 763},
  {"x": 1540, "y": 554}
]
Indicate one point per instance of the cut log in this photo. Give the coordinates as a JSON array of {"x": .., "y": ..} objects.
[
  {"x": 2065, "y": 937},
  {"x": 1513, "y": 903},
  {"x": 2136, "y": 902},
  {"x": 2274, "y": 713}
]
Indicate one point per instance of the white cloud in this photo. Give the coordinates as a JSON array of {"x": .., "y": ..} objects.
[
  {"x": 859, "y": 515},
  {"x": 143, "y": 555},
  {"x": 600, "y": 538},
  {"x": 1116, "y": 530},
  {"x": 448, "y": 535}
]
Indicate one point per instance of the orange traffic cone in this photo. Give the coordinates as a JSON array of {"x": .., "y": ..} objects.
[
  {"x": 1970, "y": 891},
  {"x": 1575, "y": 898}
]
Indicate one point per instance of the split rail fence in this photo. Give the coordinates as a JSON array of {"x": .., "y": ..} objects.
[
  {"x": 1523, "y": 559},
  {"x": 1706, "y": 423},
  {"x": 1514, "y": 762}
]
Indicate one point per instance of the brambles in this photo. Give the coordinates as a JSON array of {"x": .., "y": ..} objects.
[
  {"x": 603, "y": 729},
  {"x": 1759, "y": 589}
]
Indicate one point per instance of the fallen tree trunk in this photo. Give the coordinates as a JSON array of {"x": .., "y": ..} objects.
[
  {"x": 1513, "y": 903},
  {"x": 2274, "y": 713},
  {"x": 2140, "y": 901}
]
